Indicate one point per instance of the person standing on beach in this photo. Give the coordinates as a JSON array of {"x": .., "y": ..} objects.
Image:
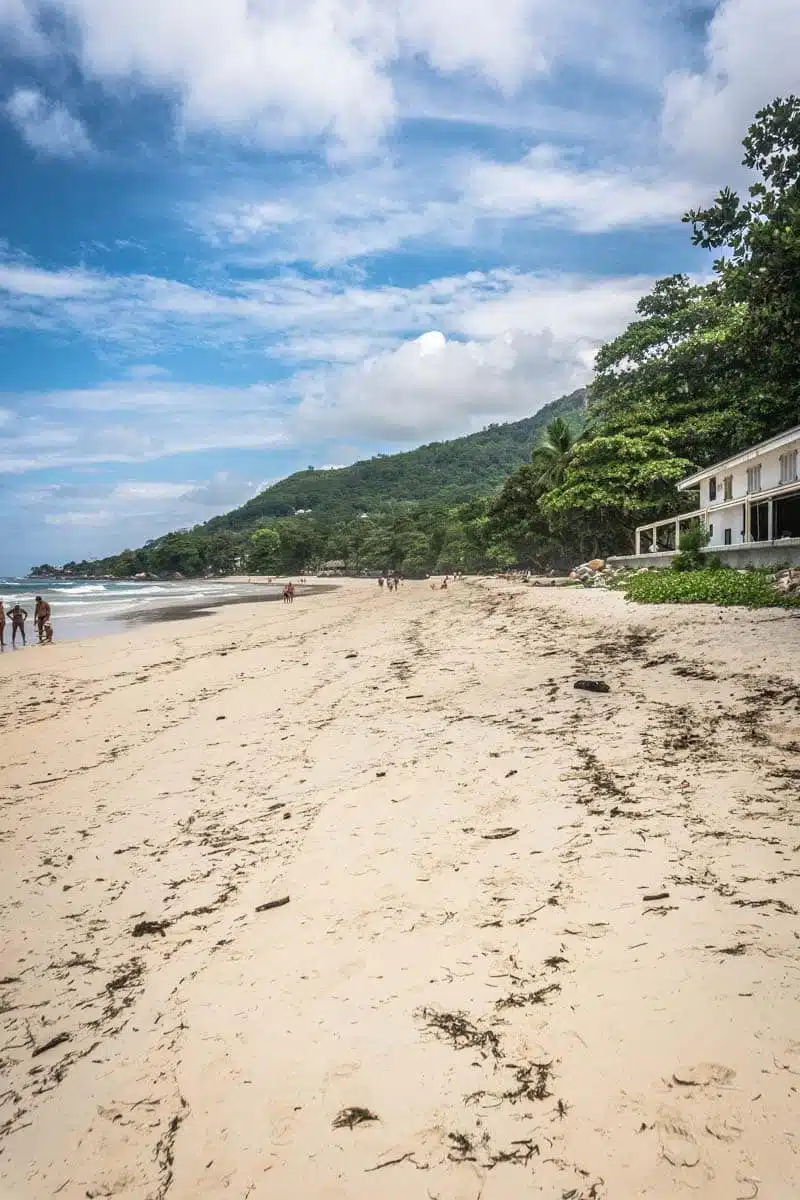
[
  {"x": 18, "y": 616},
  {"x": 41, "y": 616},
  {"x": 2, "y": 626},
  {"x": 381, "y": 582}
]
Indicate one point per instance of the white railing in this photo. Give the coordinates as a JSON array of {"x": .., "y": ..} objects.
[{"x": 653, "y": 527}]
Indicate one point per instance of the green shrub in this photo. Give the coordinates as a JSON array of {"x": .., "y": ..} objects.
[
  {"x": 691, "y": 545},
  {"x": 752, "y": 589}
]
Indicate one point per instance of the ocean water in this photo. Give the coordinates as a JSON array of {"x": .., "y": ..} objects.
[{"x": 87, "y": 607}]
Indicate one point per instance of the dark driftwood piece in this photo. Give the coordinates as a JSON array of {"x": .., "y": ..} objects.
[
  {"x": 58, "y": 1040},
  {"x": 348, "y": 1118},
  {"x": 272, "y": 904}
]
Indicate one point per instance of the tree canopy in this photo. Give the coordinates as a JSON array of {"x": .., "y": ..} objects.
[{"x": 702, "y": 371}]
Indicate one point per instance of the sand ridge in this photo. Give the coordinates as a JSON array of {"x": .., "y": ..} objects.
[{"x": 538, "y": 942}]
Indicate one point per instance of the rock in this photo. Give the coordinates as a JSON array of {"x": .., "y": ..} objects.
[
  {"x": 788, "y": 582},
  {"x": 597, "y": 564},
  {"x": 591, "y": 685}
]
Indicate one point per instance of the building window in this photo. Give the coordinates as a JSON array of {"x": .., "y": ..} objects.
[
  {"x": 728, "y": 537},
  {"x": 712, "y": 489},
  {"x": 753, "y": 480},
  {"x": 788, "y": 463},
  {"x": 710, "y": 532},
  {"x": 727, "y": 485},
  {"x": 759, "y": 522}
]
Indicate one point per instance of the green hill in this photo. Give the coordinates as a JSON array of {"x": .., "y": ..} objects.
[
  {"x": 412, "y": 511},
  {"x": 439, "y": 473}
]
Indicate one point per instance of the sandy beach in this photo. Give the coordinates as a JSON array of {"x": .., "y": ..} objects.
[{"x": 539, "y": 942}]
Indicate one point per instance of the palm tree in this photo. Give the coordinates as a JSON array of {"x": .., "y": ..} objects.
[{"x": 551, "y": 456}]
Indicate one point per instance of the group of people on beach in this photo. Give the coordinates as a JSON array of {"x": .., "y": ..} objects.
[
  {"x": 445, "y": 581},
  {"x": 18, "y": 615},
  {"x": 390, "y": 582}
]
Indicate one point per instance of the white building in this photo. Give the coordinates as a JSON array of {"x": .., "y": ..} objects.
[{"x": 750, "y": 504}]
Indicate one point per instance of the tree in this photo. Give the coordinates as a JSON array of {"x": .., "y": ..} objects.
[
  {"x": 177, "y": 554},
  {"x": 615, "y": 482},
  {"x": 299, "y": 543},
  {"x": 265, "y": 546},
  {"x": 223, "y": 552},
  {"x": 552, "y": 454},
  {"x": 676, "y": 368},
  {"x": 761, "y": 269},
  {"x": 519, "y": 530}
]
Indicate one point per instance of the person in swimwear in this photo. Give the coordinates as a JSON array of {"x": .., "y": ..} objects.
[
  {"x": 41, "y": 616},
  {"x": 2, "y": 626},
  {"x": 18, "y": 617}
]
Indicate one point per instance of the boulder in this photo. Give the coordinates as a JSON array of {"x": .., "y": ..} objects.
[
  {"x": 788, "y": 582},
  {"x": 597, "y": 564}
]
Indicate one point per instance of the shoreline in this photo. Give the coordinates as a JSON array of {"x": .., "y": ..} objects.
[
  {"x": 188, "y": 610},
  {"x": 545, "y": 937},
  {"x": 76, "y": 618}
]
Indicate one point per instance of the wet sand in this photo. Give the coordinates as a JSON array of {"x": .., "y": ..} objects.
[
  {"x": 539, "y": 942},
  {"x": 187, "y": 610}
]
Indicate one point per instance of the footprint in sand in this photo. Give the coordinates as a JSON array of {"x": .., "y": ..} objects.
[
  {"x": 676, "y": 1140},
  {"x": 790, "y": 1059},
  {"x": 705, "y": 1075},
  {"x": 724, "y": 1130}
]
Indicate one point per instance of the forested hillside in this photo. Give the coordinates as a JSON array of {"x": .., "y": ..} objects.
[
  {"x": 407, "y": 511},
  {"x": 443, "y": 473}
]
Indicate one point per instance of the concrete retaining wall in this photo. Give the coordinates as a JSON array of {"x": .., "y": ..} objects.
[{"x": 755, "y": 554}]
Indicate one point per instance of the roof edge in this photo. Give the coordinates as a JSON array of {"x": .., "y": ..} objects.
[{"x": 773, "y": 443}]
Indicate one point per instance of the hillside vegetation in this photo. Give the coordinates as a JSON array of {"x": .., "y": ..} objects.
[
  {"x": 442, "y": 473},
  {"x": 410, "y": 511}
]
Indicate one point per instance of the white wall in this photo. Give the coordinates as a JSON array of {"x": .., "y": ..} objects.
[{"x": 733, "y": 518}]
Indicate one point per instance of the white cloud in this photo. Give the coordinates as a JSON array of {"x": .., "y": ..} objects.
[
  {"x": 150, "y": 490},
  {"x": 137, "y": 424},
  {"x": 305, "y": 319},
  {"x": 17, "y": 23},
  {"x": 20, "y": 280},
  {"x": 751, "y": 56},
  {"x": 434, "y": 387},
  {"x": 93, "y": 518},
  {"x": 457, "y": 201},
  {"x": 496, "y": 344},
  {"x": 97, "y": 519},
  {"x": 589, "y": 200},
  {"x": 504, "y": 345},
  {"x": 266, "y": 70},
  {"x": 147, "y": 371},
  {"x": 47, "y": 125}
]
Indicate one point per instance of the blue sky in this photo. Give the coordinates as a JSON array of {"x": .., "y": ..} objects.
[{"x": 239, "y": 238}]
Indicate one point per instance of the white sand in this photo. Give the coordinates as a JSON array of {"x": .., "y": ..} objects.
[{"x": 611, "y": 1045}]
